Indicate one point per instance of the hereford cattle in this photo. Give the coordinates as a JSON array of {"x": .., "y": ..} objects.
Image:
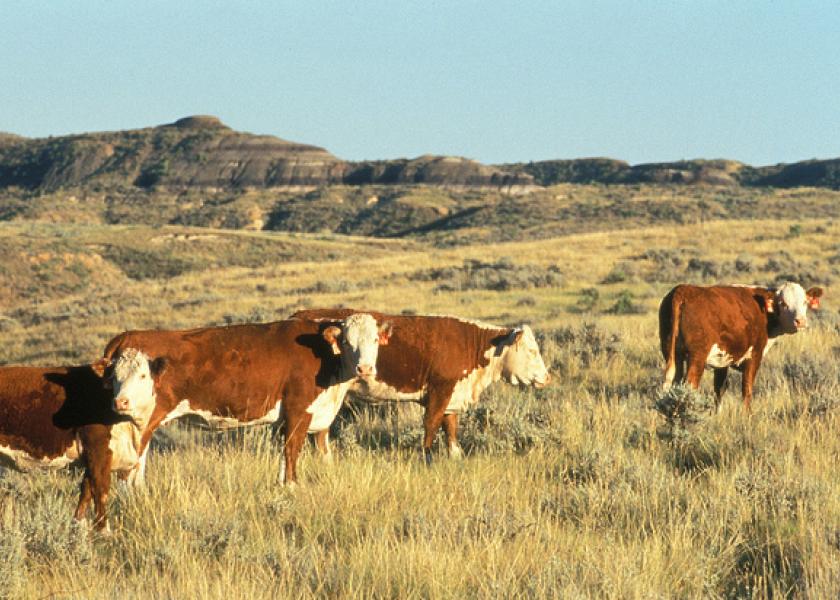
[
  {"x": 719, "y": 326},
  {"x": 295, "y": 372},
  {"x": 51, "y": 417},
  {"x": 445, "y": 363}
]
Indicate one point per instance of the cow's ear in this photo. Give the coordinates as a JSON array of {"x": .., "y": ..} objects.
[
  {"x": 766, "y": 299},
  {"x": 385, "y": 332},
  {"x": 813, "y": 296},
  {"x": 100, "y": 366},
  {"x": 331, "y": 334},
  {"x": 158, "y": 366}
]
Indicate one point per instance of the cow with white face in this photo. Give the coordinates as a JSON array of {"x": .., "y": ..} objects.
[
  {"x": 294, "y": 372},
  {"x": 445, "y": 363},
  {"x": 132, "y": 379},
  {"x": 358, "y": 343},
  {"x": 791, "y": 303},
  {"x": 727, "y": 326},
  {"x": 521, "y": 361}
]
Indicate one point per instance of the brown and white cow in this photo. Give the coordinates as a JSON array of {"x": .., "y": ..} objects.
[
  {"x": 295, "y": 372},
  {"x": 721, "y": 326},
  {"x": 445, "y": 363},
  {"x": 52, "y": 417}
]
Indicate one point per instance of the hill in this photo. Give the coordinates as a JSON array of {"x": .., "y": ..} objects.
[
  {"x": 809, "y": 173},
  {"x": 201, "y": 152}
]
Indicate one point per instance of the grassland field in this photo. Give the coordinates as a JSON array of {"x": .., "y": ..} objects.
[{"x": 582, "y": 489}]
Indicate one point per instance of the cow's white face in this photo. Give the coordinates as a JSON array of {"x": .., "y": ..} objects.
[
  {"x": 791, "y": 304},
  {"x": 522, "y": 361},
  {"x": 132, "y": 379},
  {"x": 358, "y": 342}
]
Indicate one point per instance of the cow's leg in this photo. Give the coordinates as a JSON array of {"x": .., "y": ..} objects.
[
  {"x": 100, "y": 469},
  {"x": 85, "y": 495},
  {"x": 720, "y": 384},
  {"x": 295, "y": 427},
  {"x": 322, "y": 442},
  {"x": 438, "y": 401},
  {"x": 748, "y": 378},
  {"x": 450, "y": 427},
  {"x": 679, "y": 375},
  {"x": 696, "y": 364},
  {"x": 97, "y": 479}
]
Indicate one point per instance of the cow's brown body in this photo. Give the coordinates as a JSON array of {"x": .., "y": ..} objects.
[
  {"x": 51, "y": 417},
  {"x": 720, "y": 327},
  {"x": 424, "y": 361},
  {"x": 239, "y": 374}
]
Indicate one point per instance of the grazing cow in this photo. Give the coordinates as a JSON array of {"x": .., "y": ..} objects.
[
  {"x": 727, "y": 326},
  {"x": 51, "y": 417},
  {"x": 445, "y": 363},
  {"x": 295, "y": 372}
]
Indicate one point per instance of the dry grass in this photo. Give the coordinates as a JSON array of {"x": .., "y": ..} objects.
[{"x": 574, "y": 491}]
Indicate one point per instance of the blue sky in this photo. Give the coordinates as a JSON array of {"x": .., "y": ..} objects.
[{"x": 493, "y": 81}]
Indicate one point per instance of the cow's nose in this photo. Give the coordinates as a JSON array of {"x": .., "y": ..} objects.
[
  {"x": 121, "y": 403},
  {"x": 800, "y": 323},
  {"x": 364, "y": 370}
]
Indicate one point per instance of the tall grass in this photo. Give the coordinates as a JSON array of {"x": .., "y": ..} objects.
[{"x": 578, "y": 490}]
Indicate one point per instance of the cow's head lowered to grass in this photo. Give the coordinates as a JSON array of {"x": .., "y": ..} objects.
[
  {"x": 790, "y": 304},
  {"x": 357, "y": 340},
  {"x": 521, "y": 360}
]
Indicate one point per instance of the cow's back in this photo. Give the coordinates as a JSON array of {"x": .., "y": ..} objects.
[
  {"x": 423, "y": 349},
  {"x": 237, "y": 371},
  {"x": 733, "y": 317}
]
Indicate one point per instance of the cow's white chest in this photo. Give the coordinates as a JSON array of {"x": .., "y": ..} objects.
[
  {"x": 25, "y": 461},
  {"x": 719, "y": 358},
  {"x": 467, "y": 391},
  {"x": 124, "y": 444},
  {"x": 326, "y": 407},
  {"x": 210, "y": 419}
]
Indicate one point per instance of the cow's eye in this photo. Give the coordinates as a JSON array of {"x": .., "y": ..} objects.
[{"x": 143, "y": 376}]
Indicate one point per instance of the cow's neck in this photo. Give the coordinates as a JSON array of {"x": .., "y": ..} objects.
[
  {"x": 774, "y": 327},
  {"x": 492, "y": 372}
]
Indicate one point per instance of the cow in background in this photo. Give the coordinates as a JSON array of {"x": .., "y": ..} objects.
[
  {"x": 444, "y": 363},
  {"x": 727, "y": 326}
]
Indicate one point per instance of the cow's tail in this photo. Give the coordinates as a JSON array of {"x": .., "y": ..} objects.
[{"x": 669, "y": 330}]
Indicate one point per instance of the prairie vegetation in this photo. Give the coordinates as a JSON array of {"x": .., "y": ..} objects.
[{"x": 595, "y": 486}]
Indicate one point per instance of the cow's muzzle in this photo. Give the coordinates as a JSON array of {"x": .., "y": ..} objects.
[
  {"x": 365, "y": 371},
  {"x": 541, "y": 384}
]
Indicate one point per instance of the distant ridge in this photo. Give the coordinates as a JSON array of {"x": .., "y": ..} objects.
[{"x": 200, "y": 151}]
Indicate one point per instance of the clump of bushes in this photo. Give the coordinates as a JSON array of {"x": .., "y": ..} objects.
[
  {"x": 499, "y": 276},
  {"x": 517, "y": 429},
  {"x": 806, "y": 374},
  {"x": 588, "y": 300},
  {"x": 625, "y": 304},
  {"x": 620, "y": 273},
  {"x": 682, "y": 406},
  {"x": 585, "y": 343}
]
